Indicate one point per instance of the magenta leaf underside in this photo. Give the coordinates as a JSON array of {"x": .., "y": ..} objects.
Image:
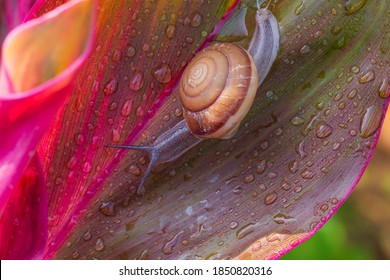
[
  {"x": 297, "y": 156},
  {"x": 25, "y": 116},
  {"x": 12, "y": 13}
]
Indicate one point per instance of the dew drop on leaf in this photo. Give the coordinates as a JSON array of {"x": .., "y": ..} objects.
[
  {"x": 162, "y": 73},
  {"x": 131, "y": 51},
  {"x": 170, "y": 31},
  {"x": 80, "y": 139},
  {"x": 323, "y": 130},
  {"x": 270, "y": 198},
  {"x": 137, "y": 81},
  {"x": 352, "y": 6},
  {"x": 293, "y": 166},
  {"x": 196, "y": 19},
  {"x": 245, "y": 230},
  {"x": 305, "y": 49},
  {"x": 307, "y": 174},
  {"x": 126, "y": 108},
  {"x": 72, "y": 163},
  {"x": 233, "y": 224},
  {"x": 355, "y": 69},
  {"x": 108, "y": 209},
  {"x": 87, "y": 235},
  {"x": 367, "y": 77},
  {"x": 371, "y": 120},
  {"x": 299, "y": 9},
  {"x": 117, "y": 55},
  {"x": 111, "y": 87},
  {"x": 297, "y": 120},
  {"x": 87, "y": 167},
  {"x": 384, "y": 90},
  {"x": 168, "y": 247},
  {"x": 99, "y": 245}
]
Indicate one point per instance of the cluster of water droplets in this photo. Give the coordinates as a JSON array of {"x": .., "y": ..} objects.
[{"x": 267, "y": 184}]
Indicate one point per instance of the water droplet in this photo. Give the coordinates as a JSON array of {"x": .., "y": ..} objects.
[
  {"x": 285, "y": 186},
  {"x": 115, "y": 135},
  {"x": 270, "y": 198},
  {"x": 117, "y": 55},
  {"x": 352, "y": 6},
  {"x": 301, "y": 150},
  {"x": 245, "y": 230},
  {"x": 272, "y": 175},
  {"x": 293, "y": 166},
  {"x": 336, "y": 146},
  {"x": 168, "y": 247},
  {"x": 145, "y": 47},
  {"x": 249, "y": 178},
  {"x": 256, "y": 246},
  {"x": 307, "y": 174},
  {"x": 299, "y": 9},
  {"x": 130, "y": 225},
  {"x": 196, "y": 19},
  {"x": 384, "y": 90},
  {"x": 234, "y": 224},
  {"x": 355, "y": 69},
  {"x": 72, "y": 162},
  {"x": 170, "y": 31},
  {"x": 352, "y": 94},
  {"x": 126, "y": 108},
  {"x": 371, "y": 120},
  {"x": 87, "y": 167},
  {"x": 79, "y": 105},
  {"x": 323, "y": 130},
  {"x": 367, "y": 77},
  {"x": 340, "y": 42},
  {"x": 87, "y": 235},
  {"x": 297, "y": 120},
  {"x": 111, "y": 87},
  {"x": 178, "y": 112},
  {"x": 336, "y": 29},
  {"x": 261, "y": 166},
  {"x": 113, "y": 106},
  {"x": 108, "y": 209},
  {"x": 80, "y": 139},
  {"x": 75, "y": 255},
  {"x": 237, "y": 190},
  {"x": 162, "y": 73},
  {"x": 324, "y": 207},
  {"x": 134, "y": 169},
  {"x": 264, "y": 145},
  {"x": 131, "y": 51},
  {"x": 137, "y": 81},
  {"x": 305, "y": 49},
  {"x": 99, "y": 246},
  {"x": 283, "y": 219},
  {"x": 320, "y": 105}
]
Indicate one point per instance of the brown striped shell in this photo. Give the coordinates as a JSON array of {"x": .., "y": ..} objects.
[{"x": 217, "y": 89}]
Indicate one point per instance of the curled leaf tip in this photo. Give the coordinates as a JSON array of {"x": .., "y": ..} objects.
[{"x": 34, "y": 53}]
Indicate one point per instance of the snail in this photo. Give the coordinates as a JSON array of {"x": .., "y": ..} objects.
[{"x": 217, "y": 89}]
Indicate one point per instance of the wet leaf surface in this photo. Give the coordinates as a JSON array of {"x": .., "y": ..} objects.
[{"x": 297, "y": 156}]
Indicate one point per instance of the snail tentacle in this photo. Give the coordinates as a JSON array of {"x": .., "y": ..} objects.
[{"x": 264, "y": 45}]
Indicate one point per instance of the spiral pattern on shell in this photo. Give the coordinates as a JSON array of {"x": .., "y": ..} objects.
[{"x": 217, "y": 89}]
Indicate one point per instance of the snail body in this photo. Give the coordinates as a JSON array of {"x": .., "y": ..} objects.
[{"x": 217, "y": 89}]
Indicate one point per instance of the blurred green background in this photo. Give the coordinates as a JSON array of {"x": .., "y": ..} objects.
[{"x": 360, "y": 229}]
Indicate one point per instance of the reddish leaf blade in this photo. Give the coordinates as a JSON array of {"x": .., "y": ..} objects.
[
  {"x": 23, "y": 224},
  {"x": 140, "y": 50},
  {"x": 298, "y": 156}
]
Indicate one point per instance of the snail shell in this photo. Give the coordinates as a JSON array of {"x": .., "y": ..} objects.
[{"x": 217, "y": 89}]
